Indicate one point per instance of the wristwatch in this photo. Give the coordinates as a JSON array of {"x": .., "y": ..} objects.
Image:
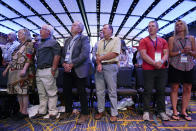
[
  {"x": 179, "y": 52},
  {"x": 53, "y": 69}
]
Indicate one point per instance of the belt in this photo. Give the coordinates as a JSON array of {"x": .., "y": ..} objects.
[
  {"x": 44, "y": 67},
  {"x": 107, "y": 63}
]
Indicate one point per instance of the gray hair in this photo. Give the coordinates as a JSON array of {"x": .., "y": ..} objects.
[
  {"x": 50, "y": 28},
  {"x": 110, "y": 27},
  {"x": 27, "y": 34},
  {"x": 13, "y": 36},
  {"x": 80, "y": 25}
]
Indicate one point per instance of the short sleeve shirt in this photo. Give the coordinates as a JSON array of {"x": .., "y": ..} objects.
[
  {"x": 112, "y": 45},
  {"x": 46, "y": 51},
  {"x": 147, "y": 44}
]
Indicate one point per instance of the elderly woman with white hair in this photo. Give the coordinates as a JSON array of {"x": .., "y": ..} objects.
[
  {"x": 20, "y": 77},
  {"x": 48, "y": 55}
]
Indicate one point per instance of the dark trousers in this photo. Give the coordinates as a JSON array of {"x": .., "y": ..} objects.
[
  {"x": 71, "y": 80},
  {"x": 154, "y": 79}
]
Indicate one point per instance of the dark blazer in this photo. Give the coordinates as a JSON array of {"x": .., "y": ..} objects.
[{"x": 80, "y": 55}]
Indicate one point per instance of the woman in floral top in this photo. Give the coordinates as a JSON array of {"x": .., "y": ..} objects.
[{"x": 20, "y": 73}]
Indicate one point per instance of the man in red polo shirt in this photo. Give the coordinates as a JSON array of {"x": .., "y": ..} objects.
[{"x": 154, "y": 52}]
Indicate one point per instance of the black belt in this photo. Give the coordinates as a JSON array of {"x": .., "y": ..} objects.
[
  {"x": 107, "y": 63},
  {"x": 44, "y": 67}
]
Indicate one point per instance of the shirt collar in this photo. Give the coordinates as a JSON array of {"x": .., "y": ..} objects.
[
  {"x": 43, "y": 40},
  {"x": 75, "y": 37},
  {"x": 112, "y": 37}
]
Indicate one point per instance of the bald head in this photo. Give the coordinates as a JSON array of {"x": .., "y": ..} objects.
[{"x": 77, "y": 28}]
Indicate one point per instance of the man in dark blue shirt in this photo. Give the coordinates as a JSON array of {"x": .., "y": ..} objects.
[{"x": 48, "y": 56}]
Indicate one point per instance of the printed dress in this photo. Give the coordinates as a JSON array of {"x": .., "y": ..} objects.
[{"x": 16, "y": 83}]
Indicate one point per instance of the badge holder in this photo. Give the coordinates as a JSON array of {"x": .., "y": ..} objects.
[
  {"x": 157, "y": 56},
  {"x": 183, "y": 58}
]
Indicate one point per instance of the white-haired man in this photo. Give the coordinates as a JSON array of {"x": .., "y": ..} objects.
[
  {"x": 10, "y": 47},
  {"x": 48, "y": 56},
  {"x": 75, "y": 61}
]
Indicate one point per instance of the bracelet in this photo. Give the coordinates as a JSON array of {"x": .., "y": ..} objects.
[
  {"x": 179, "y": 52},
  {"x": 162, "y": 61}
]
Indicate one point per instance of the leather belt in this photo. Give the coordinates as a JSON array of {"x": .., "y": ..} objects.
[
  {"x": 107, "y": 63},
  {"x": 44, "y": 67}
]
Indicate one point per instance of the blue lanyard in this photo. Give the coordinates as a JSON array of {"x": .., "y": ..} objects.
[
  {"x": 155, "y": 46},
  {"x": 71, "y": 44}
]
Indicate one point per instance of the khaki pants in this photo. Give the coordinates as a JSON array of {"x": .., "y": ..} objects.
[
  {"x": 47, "y": 89},
  {"x": 108, "y": 77}
]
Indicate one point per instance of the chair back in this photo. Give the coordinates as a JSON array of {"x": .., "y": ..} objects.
[{"x": 124, "y": 77}]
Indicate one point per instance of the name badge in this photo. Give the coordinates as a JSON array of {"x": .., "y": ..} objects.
[
  {"x": 157, "y": 56},
  {"x": 184, "y": 58},
  {"x": 67, "y": 57}
]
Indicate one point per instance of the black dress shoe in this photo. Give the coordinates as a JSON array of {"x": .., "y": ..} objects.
[{"x": 20, "y": 116}]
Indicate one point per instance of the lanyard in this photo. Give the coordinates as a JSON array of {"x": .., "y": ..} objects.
[
  {"x": 105, "y": 44},
  {"x": 155, "y": 46},
  {"x": 182, "y": 44},
  {"x": 71, "y": 44}
]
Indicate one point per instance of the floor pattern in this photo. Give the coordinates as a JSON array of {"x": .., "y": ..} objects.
[{"x": 128, "y": 120}]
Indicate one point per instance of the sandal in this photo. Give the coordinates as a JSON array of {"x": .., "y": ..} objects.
[
  {"x": 186, "y": 117},
  {"x": 175, "y": 117}
]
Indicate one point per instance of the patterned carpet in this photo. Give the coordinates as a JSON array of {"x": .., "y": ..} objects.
[{"x": 128, "y": 120}]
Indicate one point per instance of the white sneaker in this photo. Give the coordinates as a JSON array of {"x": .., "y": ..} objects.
[
  {"x": 164, "y": 117},
  {"x": 146, "y": 116}
]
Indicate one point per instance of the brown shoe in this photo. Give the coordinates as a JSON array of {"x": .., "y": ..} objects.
[
  {"x": 99, "y": 116},
  {"x": 82, "y": 119},
  {"x": 64, "y": 115},
  {"x": 113, "y": 119}
]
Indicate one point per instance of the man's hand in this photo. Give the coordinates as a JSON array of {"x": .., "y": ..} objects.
[
  {"x": 98, "y": 60},
  {"x": 67, "y": 67},
  {"x": 99, "y": 67},
  {"x": 158, "y": 65},
  {"x": 71, "y": 66},
  {"x": 53, "y": 71}
]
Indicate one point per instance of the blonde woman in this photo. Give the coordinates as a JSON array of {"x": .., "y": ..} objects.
[
  {"x": 181, "y": 51},
  {"x": 20, "y": 75}
]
